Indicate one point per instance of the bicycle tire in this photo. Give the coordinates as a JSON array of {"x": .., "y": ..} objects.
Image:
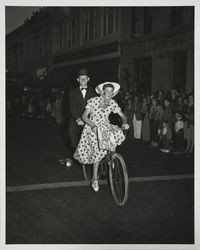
[
  {"x": 87, "y": 172},
  {"x": 118, "y": 179}
]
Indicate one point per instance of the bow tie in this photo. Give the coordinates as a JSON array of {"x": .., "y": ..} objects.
[{"x": 84, "y": 88}]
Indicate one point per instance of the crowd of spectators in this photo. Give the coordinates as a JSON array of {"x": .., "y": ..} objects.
[
  {"x": 36, "y": 103},
  {"x": 161, "y": 119}
]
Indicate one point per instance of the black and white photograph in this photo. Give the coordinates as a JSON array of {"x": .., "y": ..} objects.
[{"x": 99, "y": 117}]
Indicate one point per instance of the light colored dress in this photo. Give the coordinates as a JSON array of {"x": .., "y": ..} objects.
[{"x": 88, "y": 150}]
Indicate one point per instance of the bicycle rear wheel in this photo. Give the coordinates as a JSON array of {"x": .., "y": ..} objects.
[
  {"x": 118, "y": 178},
  {"x": 87, "y": 172}
]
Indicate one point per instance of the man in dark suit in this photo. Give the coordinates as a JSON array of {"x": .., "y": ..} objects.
[{"x": 78, "y": 98}]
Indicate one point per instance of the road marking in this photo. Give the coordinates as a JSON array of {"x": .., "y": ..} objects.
[{"x": 84, "y": 183}]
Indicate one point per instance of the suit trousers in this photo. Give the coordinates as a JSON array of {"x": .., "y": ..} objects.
[{"x": 74, "y": 131}]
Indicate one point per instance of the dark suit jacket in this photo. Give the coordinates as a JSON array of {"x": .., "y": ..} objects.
[
  {"x": 77, "y": 103},
  {"x": 137, "y": 110}
]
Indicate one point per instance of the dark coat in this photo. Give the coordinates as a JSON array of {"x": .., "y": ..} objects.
[
  {"x": 77, "y": 107},
  {"x": 77, "y": 103},
  {"x": 136, "y": 109}
]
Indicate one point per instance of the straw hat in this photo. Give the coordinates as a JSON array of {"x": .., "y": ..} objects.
[{"x": 116, "y": 86}]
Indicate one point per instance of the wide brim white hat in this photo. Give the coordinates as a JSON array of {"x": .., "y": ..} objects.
[{"x": 99, "y": 88}]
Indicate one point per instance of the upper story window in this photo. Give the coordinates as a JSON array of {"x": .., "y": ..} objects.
[
  {"x": 37, "y": 48},
  {"x": 67, "y": 33},
  {"x": 46, "y": 44},
  {"x": 134, "y": 23},
  {"x": 109, "y": 18},
  {"x": 68, "y": 41},
  {"x": 176, "y": 17},
  {"x": 75, "y": 31},
  {"x": 89, "y": 24},
  {"x": 147, "y": 20}
]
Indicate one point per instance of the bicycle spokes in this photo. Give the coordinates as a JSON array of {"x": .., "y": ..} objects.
[{"x": 118, "y": 179}]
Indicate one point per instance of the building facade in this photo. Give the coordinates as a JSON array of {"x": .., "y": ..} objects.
[
  {"x": 158, "y": 48},
  {"x": 145, "y": 48}
]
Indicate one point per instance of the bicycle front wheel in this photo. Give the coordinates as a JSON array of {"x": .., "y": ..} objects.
[{"x": 118, "y": 178}]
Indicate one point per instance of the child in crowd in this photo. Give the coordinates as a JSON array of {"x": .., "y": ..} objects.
[
  {"x": 178, "y": 128},
  {"x": 165, "y": 136}
]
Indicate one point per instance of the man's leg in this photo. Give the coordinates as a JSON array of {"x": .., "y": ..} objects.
[
  {"x": 73, "y": 139},
  {"x": 74, "y": 135}
]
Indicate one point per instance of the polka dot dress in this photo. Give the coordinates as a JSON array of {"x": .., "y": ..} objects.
[{"x": 88, "y": 150}]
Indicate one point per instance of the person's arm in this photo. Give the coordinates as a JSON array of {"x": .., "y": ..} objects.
[
  {"x": 150, "y": 111},
  {"x": 74, "y": 108},
  {"x": 73, "y": 105},
  {"x": 87, "y": 120}
]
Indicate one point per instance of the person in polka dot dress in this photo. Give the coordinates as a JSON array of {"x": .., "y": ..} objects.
[{"x": 96, "y": 118}]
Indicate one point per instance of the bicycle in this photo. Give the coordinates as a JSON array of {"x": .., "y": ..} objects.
[{"x": 113, "y": 166}]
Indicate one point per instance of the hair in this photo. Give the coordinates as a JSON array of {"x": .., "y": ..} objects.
[
  {"x": 179, "y": 113},
  {"x": 165, "y": 121},
  {"x": 154, "y": 98},
  {"x": 108, "y": 85},
  {"x": 167, "y": 99}
]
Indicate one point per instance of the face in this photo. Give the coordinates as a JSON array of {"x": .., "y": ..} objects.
[
  {"x": 144, "y": 99},
  {"x": 83, "y": 80},
  {"x": 108, "y": 92},
  {"x": 180, "y": 99},
  {"x": 173, "y": 92},
  {"x": 164, "y": 124},
  {"x": 177, "y": 115},
  {"x": 166, "y": 103},
  {"x": 190, "y": 98},
  {"x": 153, "y": 101}
]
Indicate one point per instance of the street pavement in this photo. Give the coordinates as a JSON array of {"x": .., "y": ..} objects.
[{"x": 47, "y": 203}]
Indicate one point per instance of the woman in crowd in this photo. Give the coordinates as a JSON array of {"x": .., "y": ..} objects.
[
  {"x": 137, "y": 117},
  {"x": 168, "y": 113},
  {"x": 95, "y": 116},
  {"x": 160, "y": 97},
  {"x": 145, "y": 122},
  {"x": 189, "y": 124},
  {"x": 155, "y": 116},
  {"x": 57, "y": 110}
]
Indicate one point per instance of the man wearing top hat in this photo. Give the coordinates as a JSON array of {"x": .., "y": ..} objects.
[{"x": 78, "y": 98}]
